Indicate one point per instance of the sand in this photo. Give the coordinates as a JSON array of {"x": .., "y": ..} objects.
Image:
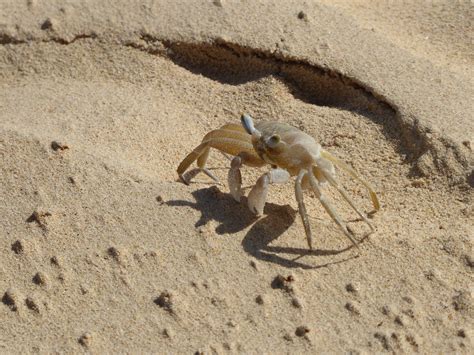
[{"x": 102, "y": 249}]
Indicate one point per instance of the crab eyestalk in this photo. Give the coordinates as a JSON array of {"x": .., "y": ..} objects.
[{"x": 247, "y": 123}]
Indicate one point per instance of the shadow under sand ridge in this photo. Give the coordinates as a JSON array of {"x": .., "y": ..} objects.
[{"x": 234, "y": 217}]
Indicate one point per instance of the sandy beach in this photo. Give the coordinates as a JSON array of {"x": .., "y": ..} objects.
[{"x": 104, "y": 250}]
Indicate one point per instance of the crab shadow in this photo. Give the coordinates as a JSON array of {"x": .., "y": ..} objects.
[{"x": 233, "y": 217}]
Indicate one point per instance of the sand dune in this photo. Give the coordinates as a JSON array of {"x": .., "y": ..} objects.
[{"x": 104, "y": 250}]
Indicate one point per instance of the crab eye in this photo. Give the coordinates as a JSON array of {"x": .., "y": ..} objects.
[
  {"x": 247, "y": 123},
  {"x": 273, "y": 140}
]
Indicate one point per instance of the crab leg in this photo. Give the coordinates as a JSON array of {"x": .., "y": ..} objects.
[
  {"x": 201, "y": 149},
  {"x": 302, "y": 208},
  {"x": 352, "y": 172},
  {"x": 234, "y": 177},
  {"x": 230, "y": 141},
  {"x": 346, "y": 197},
  {"x": 230, "y": 130},
  {"x": 258, "y": 194},
  {"x": 233, "y": 127},
  {"x": 329, "y": 208}
]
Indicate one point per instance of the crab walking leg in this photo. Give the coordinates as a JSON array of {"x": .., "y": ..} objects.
[
  {"x": 258, "y": 194},
  {"x": 234, "y": 178},
  {"x": 352, "y": 172},
  {"x": 232, "y": 146},
  {"x": 226, "y": 156},
  {"x": 346, "y": 197},
  {"x": 200, "y": 150},
  {"x": 302, "y": 208},
  {"x": 229, "y": 127},
  {"x": 234, "y": 127},
  {"x": 329, "y": 209},
  {"x": 231, "y": 131}
]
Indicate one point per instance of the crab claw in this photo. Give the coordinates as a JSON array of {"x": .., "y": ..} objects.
[{"x": 247, "y": 123}]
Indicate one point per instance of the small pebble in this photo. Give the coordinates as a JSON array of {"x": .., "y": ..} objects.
[
  {"x": 55, "y": 261},
  {"x": 85, "y": 340},
  {"x": 302, "y": 16},
  {"x": 284, "y": 283},
  {"x": 462, "y": 301},
  {"x": 11, "y": 299},
  {"x": 165, "y": 301},
  {"x": 383, "y": 340},
  {"x": 114, "y": 252},
  {"x": 62, "y": 278},
  {"x": 461, "y": 333},
  {"x": 386, "y": 310},
  {"x": 120, "y": 255},
  {"x": 399, "y": 320},
  {"x": 84, "y": 289},
  {"x": 55, "y": 145},
  {"x": 40, "y": 278},
  {"x": 350, "y": 287},
  {"x": 296, "y": 303},
  {"x": 31, "y": 304},
  {"x": 39, "y": 217},
  {"x": 352, "y": 308},
  {"x": 48, "y": 24},
  {"x": 259, "y": 299},
  {"x": 160, "y": 200},
  {"x": 302, "y": 331},
  {"x": 468, "y": 260},
  {"x": 254, "y": 264},
  {"x": 18, "y": 247}
]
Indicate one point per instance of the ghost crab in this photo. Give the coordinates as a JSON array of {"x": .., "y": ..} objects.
[{"x": 290, "y": 152}]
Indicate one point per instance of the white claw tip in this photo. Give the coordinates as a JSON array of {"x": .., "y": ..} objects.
[{"x": 247, "y": 122}]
